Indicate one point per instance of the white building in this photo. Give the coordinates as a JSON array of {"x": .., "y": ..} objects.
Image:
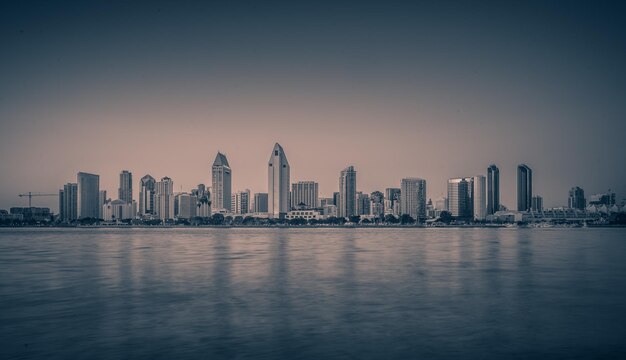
[
  {"x": 277, "y": 183},
  {"x": 88, "y": 195},
  {"x": 118, "y": 210},
  {"x": 303, "y": 214},
  {"x": 304, "y": 192},
  {"x": 240, "y": 202},
  {"x": 164, "y": 196},
  {"x": 147, "y": 196}
]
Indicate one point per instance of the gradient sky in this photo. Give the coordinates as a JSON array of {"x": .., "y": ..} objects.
[{"x": 408, "y": 89}]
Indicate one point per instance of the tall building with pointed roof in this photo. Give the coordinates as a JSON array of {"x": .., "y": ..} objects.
[
  {"x": 347, "y": 192},
  {"x": 222, "y": 184},
  {"x": 277, "y": 182}
]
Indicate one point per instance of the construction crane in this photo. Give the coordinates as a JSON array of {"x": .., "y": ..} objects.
[{"x": 31, "y": 194}]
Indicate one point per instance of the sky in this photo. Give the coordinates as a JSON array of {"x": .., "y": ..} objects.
[{"x": 435, "y": 89}]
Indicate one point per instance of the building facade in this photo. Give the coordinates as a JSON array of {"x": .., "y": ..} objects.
[
  {"x": 88, "y": 195},
  {"x": 459, "y": 202},
  {"x": 347, "y": 192},
  {"x": 164, "y": 199},
  {"x": 278, "y": 183},
  {"x": 260, "y": 203},
  {"x": 524, "y": 188},
  {"x": 392, "y": 201},
  {"x": 305, "y": 193},
  {"x": 68, "y": 202},
  {"x": 413, "y": 198},
  {"x": 125, "y": 191},
  {"x": 576, "y": 199},
  {"x": 479, "y": 198},
  {"x": 147, "y": 191},
  {"x": 222, "y": 184},
  {"x": 493, "y": 189}
]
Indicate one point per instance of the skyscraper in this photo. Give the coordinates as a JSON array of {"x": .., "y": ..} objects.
[
  {"x": 222, "y": 184},
  {"x": 240, "y": 202},
  {"x": 88, "y": 193},
  {"x": 459, "y": 204},
  {"x": 306, "y": 193},
  {"x": 392, "y": 200},
  {"x": 493, "y": 189},
  {"x": 164, "y": 199},
  {"x": 576, "y": 198},
  {"x": 260, "y": 202},
  {"x": 413, "y": 197},
  {"x": 102, "y": 199},
  {"x": 125, "y": 191},
  {"x": 347, "y": 192},
  {"x": 277, "y": 183},
  {"x": 147, "y": 196},
  {"x": 478, "y": 198},
  {"x": 68, "y": 202},
  {"x": 362, "y": 203},
  {"x": 537, "y": 203},
  {"x": 377, "y": 203},
  {"x": 524, "y": 188}
]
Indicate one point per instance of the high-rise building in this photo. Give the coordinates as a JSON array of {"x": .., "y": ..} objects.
[
  {"x": 576, "y": 198},
  {"x": 277, "y": 183},
  {"x": 147, "y": 190},
  {"x": 260, "y": 203},
  {"x": 88, "y": 193},
  {"x": 164, "y": 199},
  {"x": 607, "y": 199},
  {"x": 537, "y": 203},
  {"x": 392, "y": 201},
  {"x": 240, "y": 202},
  {"x": 362, "y": 203},
  {"x": 222, "y": 184},
  {"x": 524, "y": 188},
  {"x": 413, "y": 198},
  {"x": 185, "y": 206},
  {"x": 479, "y": 198},
  {"x": 102, "y": 199},
  {"x": 441, "y": 204},
  {"x": 336, "y": 199},
  {"x": 118, "y": 210},
  {"x": 377, "y": 203},
  {"x": 347, "y": 192},
  {"x": 125, "y": 191},
  {"x": 493, "y": 189},
  {"x": 304, "y": 194},
  {"x": 68, "y": 202},
  {"x": 459, "y": 202}
]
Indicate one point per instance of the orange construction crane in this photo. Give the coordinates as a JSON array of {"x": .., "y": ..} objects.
[{"x": 31, "y": 194}]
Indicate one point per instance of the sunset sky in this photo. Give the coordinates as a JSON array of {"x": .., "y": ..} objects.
[{"x": 403, "y": 89}]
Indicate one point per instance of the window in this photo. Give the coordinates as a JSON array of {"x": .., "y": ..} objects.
[{"x": 275, "y": 152}]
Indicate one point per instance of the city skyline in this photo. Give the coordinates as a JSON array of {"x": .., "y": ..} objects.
[{"x": 397, "y": 90}]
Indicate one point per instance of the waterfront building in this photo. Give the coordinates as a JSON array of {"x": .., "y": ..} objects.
[
  {"x": 147, "y": 190},
  {"x": 118, "y": 210},
  {"x": 336, "y": 198},
  {"x": 240, "y": 202},
  {"x": 479, "y": 198},
  {"x": 392, "y": 201},
  {"x": 607, "y": 199},
  {"x": 536, "y": 203},
  {"x": 330, "y": 210},
  {"x": 576, "y": 198},
  {"x": 102, "y": 199},
  {"x": 326, "y": 201},
  {"x": 222, "y": 184},
  {"x": 413, "y": 198},
  {"x": 304, "y": 192},
  {"x": 278, "y": 183},
  {"x": 524, "y": 188},
  {"x": 88, "y": 194},
  {"x": 203, "y": 204},
  {"x": 493, "y": 189},
  {"x": 441, "y": 204},
  {"x": 459, "y": 202},
  {"x": 260, "y": 203},
  {"x": 347, "y": 192},
  {"x": 362, "y": 203},
  {"x": 185, "y": 206},
  {"x": 31, "y": 213},
  {"x": 125, "y": 191},
  {"x": 68, "y": 202},
  {"x": 164, "y": 199},
  {"x": 306, "y": 214}
]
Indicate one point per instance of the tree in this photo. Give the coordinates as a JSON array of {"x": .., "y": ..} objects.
[
  {"x": 297, "y": 221},
  {"x": 391, "y": 219},
  {"x": 445, "y": 217},
  {"x": 355, "y": 219},
  {"x": 217, "y": 219},
  {"x": 406, "y": 219}
]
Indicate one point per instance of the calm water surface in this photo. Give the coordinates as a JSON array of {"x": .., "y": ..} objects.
[{"x": 312, "y": 293}]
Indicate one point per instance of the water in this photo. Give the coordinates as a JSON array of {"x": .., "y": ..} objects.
[{"x": 312, "y": 293}]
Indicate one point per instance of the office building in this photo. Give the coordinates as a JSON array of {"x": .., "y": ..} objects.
[
  {"x": 479, "y": 198},
  {"x": 493, "y": 189},
  {"x": 537, "y": 203},
  {"x": 347, "y": 192},
  {"x": 185, "y": 206},
  {"x": 377, "y": 203},
  {"x": 68, "y": 202},
  {"x": 164, "y": 199},
  {"x": 147, "y": 191},
  {"x": 459, "y": 202},
  {"x": 524, "y": 188},
  {"x": 222, "y": 184},
  {"x": 362, "y": 203},
  {"x": 392, "y": 201},
  {"x": 203, "y": 196},
  {"x": 304, "y": 194},
  {"x": 125, "y": 191},
  {"x": 240, "y": 202},
  {"x": 118, "y": 210},
  {"x": 277, "y": 183},
  {"x": 413, "y": 198},
  {"x": 102, "y": 199},
  {"x": 260, "y": 203},
  {"x": 576, "y": 198},
  {"x": 88, "y": 194}
]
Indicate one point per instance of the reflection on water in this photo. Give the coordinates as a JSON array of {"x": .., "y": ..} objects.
[{"x": 312, "y": 293}]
